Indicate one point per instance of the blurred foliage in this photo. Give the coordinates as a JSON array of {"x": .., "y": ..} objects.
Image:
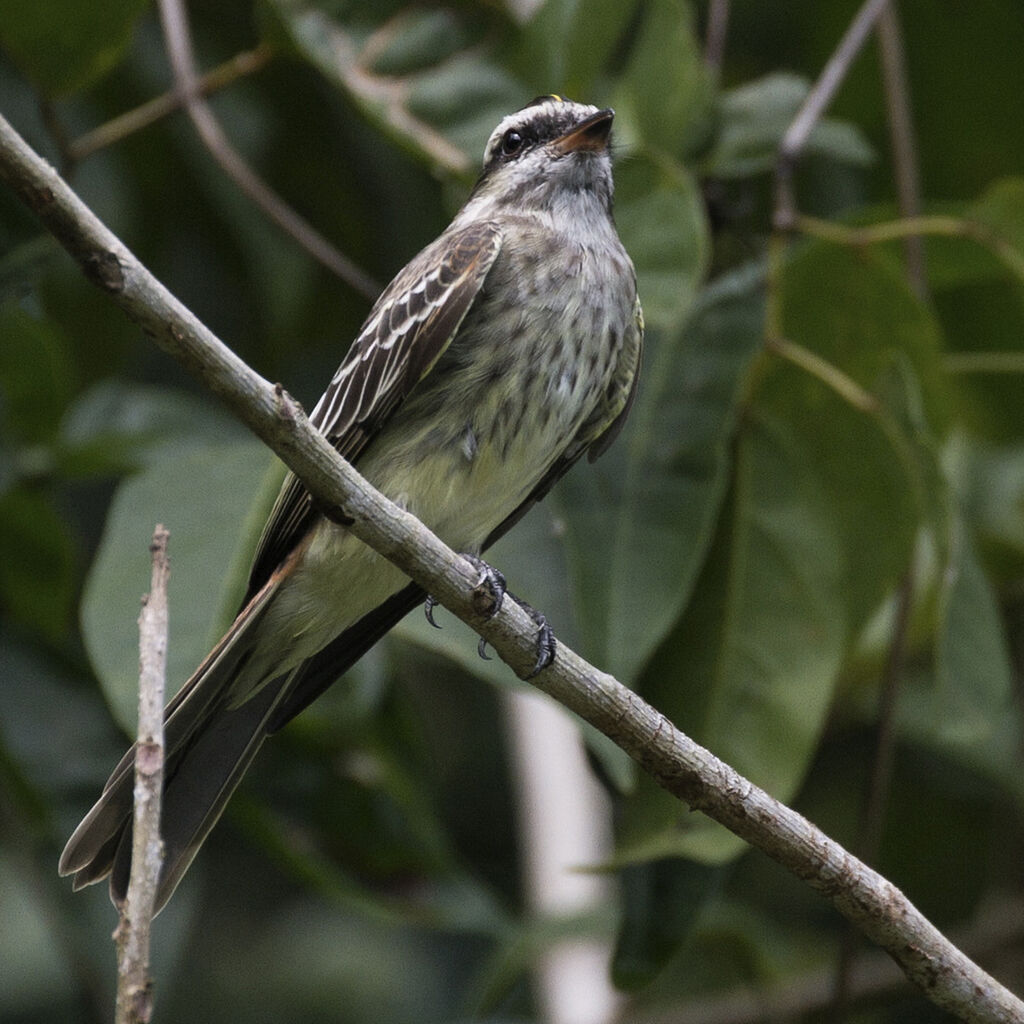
[{"x": 812, "y": 433}]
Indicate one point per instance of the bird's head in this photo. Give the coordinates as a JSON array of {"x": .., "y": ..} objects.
[{"x": 551, "y": 150}]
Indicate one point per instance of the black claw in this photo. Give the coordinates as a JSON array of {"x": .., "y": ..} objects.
[
  {"x": 490, "y": 591},
  {"x": 545, "y": 641},
  {"x": 488, "y": 596},
  {"x": 428, "y": 609}
]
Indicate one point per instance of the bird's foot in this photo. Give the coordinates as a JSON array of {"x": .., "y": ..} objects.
[
  {"x": 488, "y": 593},
  {"x": 545, "y": 638},
  {"x": 488, "y": 596}
]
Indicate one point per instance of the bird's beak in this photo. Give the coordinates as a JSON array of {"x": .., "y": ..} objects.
[{"x": 591, "y": 134}]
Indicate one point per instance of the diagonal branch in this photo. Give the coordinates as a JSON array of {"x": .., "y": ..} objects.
[
  {"x": 948, "y": 977},
  {"x": 188, "y": 86},
  {"x": 816, "y": 103},
  {"x": 134, "y": 120}
]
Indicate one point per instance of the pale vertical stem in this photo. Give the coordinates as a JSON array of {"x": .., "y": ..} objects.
[
  {"x": 564, "y": 825},
  {"x": 134, "y": 986}
]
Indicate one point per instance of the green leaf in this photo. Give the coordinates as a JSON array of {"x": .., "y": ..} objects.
[
  {"x": 753, "y": 119},
  {"x": 566, "y": 44},
  {"x": 1001, "y": 208},
  {"x": 662, "y": 903},
  {"x": 416, "y": 40},
  {"x": 63, "y": 45},
  {"x": 994, "y": 501},
  {"x": 665, "y": 93},
  {"x": 23, "y": 266},
  {"x": 973, "y": 673},
  {"x": 143, "y": 424},
  {"x": 750, "y": 669},
  {"x": 533, "y": 560},
  {"x": 203, "y": 496},
  {"x": 857, "y": 313},
  {"x": 660, "y": 218},
  {"x": 458, "y": 92}
]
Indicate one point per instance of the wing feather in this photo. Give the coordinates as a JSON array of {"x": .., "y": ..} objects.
[{"x": 407, "y": 331}]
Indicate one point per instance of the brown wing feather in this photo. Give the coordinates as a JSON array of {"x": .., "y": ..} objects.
[
  {"x": 320, "y": 671},
  {"x": 407, "y": 331}
]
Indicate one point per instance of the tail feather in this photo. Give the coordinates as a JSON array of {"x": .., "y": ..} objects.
[
  {"x": 103, "y": 839},
  {"x": 205, "y": 777}
]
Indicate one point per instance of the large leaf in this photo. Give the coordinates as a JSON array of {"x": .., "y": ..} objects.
[
  {"x": 566, "y": 44},
  {"x": 533, "y": 559},
  {"x": 36, "y": 376},
  {"x": 973, "y": 673},
  {"x": 431, "y": 95},
  {"x": 859, "y": 315},
  {"x": 37, "y": 583},
  {"x": 749, "y": 670},
  {"x": 665, "y": 92},
  {"x": 825, "y": 505},
  {"x": 205, "y": 497},
  {"x": 753, "y": 119},
  {"x": 638, "y": 522},
  {"x": 660, "y": 218}
]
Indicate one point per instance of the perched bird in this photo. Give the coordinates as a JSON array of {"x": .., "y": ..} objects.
[{"x": 499, "y": 355}]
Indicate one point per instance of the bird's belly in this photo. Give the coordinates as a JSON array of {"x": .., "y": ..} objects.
[{"x": 460, "y": 492}]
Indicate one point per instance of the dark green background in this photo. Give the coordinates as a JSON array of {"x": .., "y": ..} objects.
[{"x": 752, "y": 524}]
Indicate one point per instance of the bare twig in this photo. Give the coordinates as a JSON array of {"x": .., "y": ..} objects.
[
  {"x": 143, "y": 116},
  {"x": 386, "y": 99},
  {"x": 685, "y": 769},
  {"x": 186, "y": 82},
  {"x": 815, "y": 105},
  {"x": 828, "y": 373},
  {"x": 901, "y": 134},
  {"x": 888, "y": 231},
  {"x": 134, "y": 987}
]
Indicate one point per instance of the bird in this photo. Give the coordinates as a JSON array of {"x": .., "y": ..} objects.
[{"x": 495, "y": 359}]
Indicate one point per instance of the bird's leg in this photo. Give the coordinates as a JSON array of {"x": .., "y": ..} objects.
[
  {"x": 488, "y": 593},
  {"x": 545, "y": 637},
  {"x": 488, "y": 596}
]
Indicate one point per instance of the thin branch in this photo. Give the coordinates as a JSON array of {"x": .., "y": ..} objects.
[
  {"x": 984, "y": 362},
  {"x": 179, "y": 48},
  {"x": 134, "y": 986},
  {"x": 949, "y": 978},
  {"x": 906, "y": 170},
  {"x": 828, "y": 373},
  {"x": 889, "y": 231},
  {"x": 385, "y": 100},
  {"x": 134, "y": 120},
  {"x": 815, "y": 105}
]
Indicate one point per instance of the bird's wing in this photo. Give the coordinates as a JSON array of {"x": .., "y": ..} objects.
[
  {"x": 407, "y": 331},
  {"x": 593, "y": 438}
]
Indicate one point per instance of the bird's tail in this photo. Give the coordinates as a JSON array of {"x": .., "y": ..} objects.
[{"x": 209, "y": 743}]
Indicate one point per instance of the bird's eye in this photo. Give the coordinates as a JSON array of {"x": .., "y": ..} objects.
[{"x": 511, "y": 142}]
